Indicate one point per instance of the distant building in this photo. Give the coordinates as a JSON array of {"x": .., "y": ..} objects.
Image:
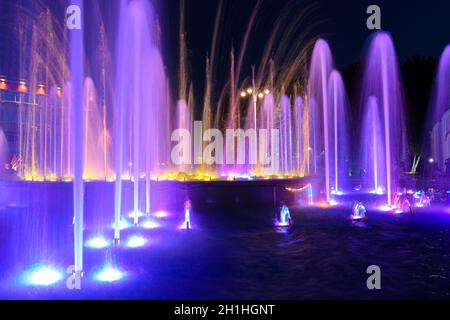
[
  {"x": 29, "y": 119},
  {"x": 10, "y": 102}
]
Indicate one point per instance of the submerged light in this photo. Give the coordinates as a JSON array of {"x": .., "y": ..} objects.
[
  {"x": 98, "y": 243},
  {"x": 333, "y": 203},
  {"x": 337, "y": 192},
  {"x": 386, "y": 208},
  {"x": 122, "y": 225},
  {"x": 109, "y": 274},
  {"x": 149, "y": 224},
  {"x": 138, "y": 214},
  {"x": 136, "y": 242},
  {"x": 43, "y": 276},
  {"x": 161, "y": 214}
]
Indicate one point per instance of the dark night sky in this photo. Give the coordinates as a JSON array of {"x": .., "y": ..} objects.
[{"x": 420, "y": 28}]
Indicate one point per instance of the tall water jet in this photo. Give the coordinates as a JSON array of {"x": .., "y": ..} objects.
[
  {"x": 96, "y": 167},
  {"x": 439, "y": 117},
  {"x": 298, "y": 134},
  {"x": 207, "y": 112},
  {"x": 339, "y": 134},
  {"x": 77, "y": 79},
  {"x": 184, "y": 122},
  {"x": 320, "y": 71},
  {"x": 382, "y": 81},
  {"x": 142, "y": 110},
  {"x": 42, "y": 66},
  {"x": 4, "y": 153},
  {"x": 372, "y": 148},
  {"x": 285, "y": 125},
  {"x": 269, "y": 147},
  {"x": 184, "y": 111}
]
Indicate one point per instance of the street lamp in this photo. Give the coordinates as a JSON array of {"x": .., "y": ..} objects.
[{"x": 255, "y": 93}]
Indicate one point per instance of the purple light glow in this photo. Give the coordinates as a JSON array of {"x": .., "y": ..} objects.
[
  {"x": 98, "y": 243},
  {"x": 109, "y": 274},
  {"x": 136, "y": 242},
  {"x": 150, "y": 224},
  {"x": 161, "y": 214}
]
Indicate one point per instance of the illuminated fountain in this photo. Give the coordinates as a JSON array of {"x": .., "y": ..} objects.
[
  {"x": 301, "y": 134},
  {"x": 284, "y": 218},
  {"x": 285, "y": 125},
  {"x": 439, "y": 117},
  {"x": 372, "y": 150},
  {"x": 187, "y": 215},
  {"x": 96, "y": 139},
  {"x": 267, "y": 122},
  {"x": 77, "y": 131},
  {"x": 382, "y": 90},
  {"x": 320, "y": 72},
  {"x": 359, "y": 212},
  {"x": 99, "y": 134},
  {"x": 339, "y": 135},
  {"x": 142, "y": 115},
  {"x": 45, "y": 111}
]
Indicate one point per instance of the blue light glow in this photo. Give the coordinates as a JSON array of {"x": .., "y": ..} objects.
[
  {"x": 333, "y": 202},
  {"x": 187, "y": 216},
  {"x": 98, "y": 243},
  {"x": 285, "y": 217},
  {"x": 359, "y": 212},
  {"x": 149, "y": 224},
  {"x": 161, "y": 214},
  {"x": 42, "y": 276},
  {"x": 378, "y": 191},
  {"x": 139, "y": 215},
  {"x": 123, "y": 225},
  {"x": 109, "y": 274},
  {"x": 136, "y": 242}
]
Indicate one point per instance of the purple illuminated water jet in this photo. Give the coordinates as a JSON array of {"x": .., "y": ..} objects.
[
  {"x": 372, "y": 150},
  {"x": 142, "y": 112},
  {"x": 77, "y": 80},
  {"x": 440, "y": 115},
  {"x": 320, "y": 71},
  {"x": 339, "y": 134},
  {"x": 382, "y": 82}
]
